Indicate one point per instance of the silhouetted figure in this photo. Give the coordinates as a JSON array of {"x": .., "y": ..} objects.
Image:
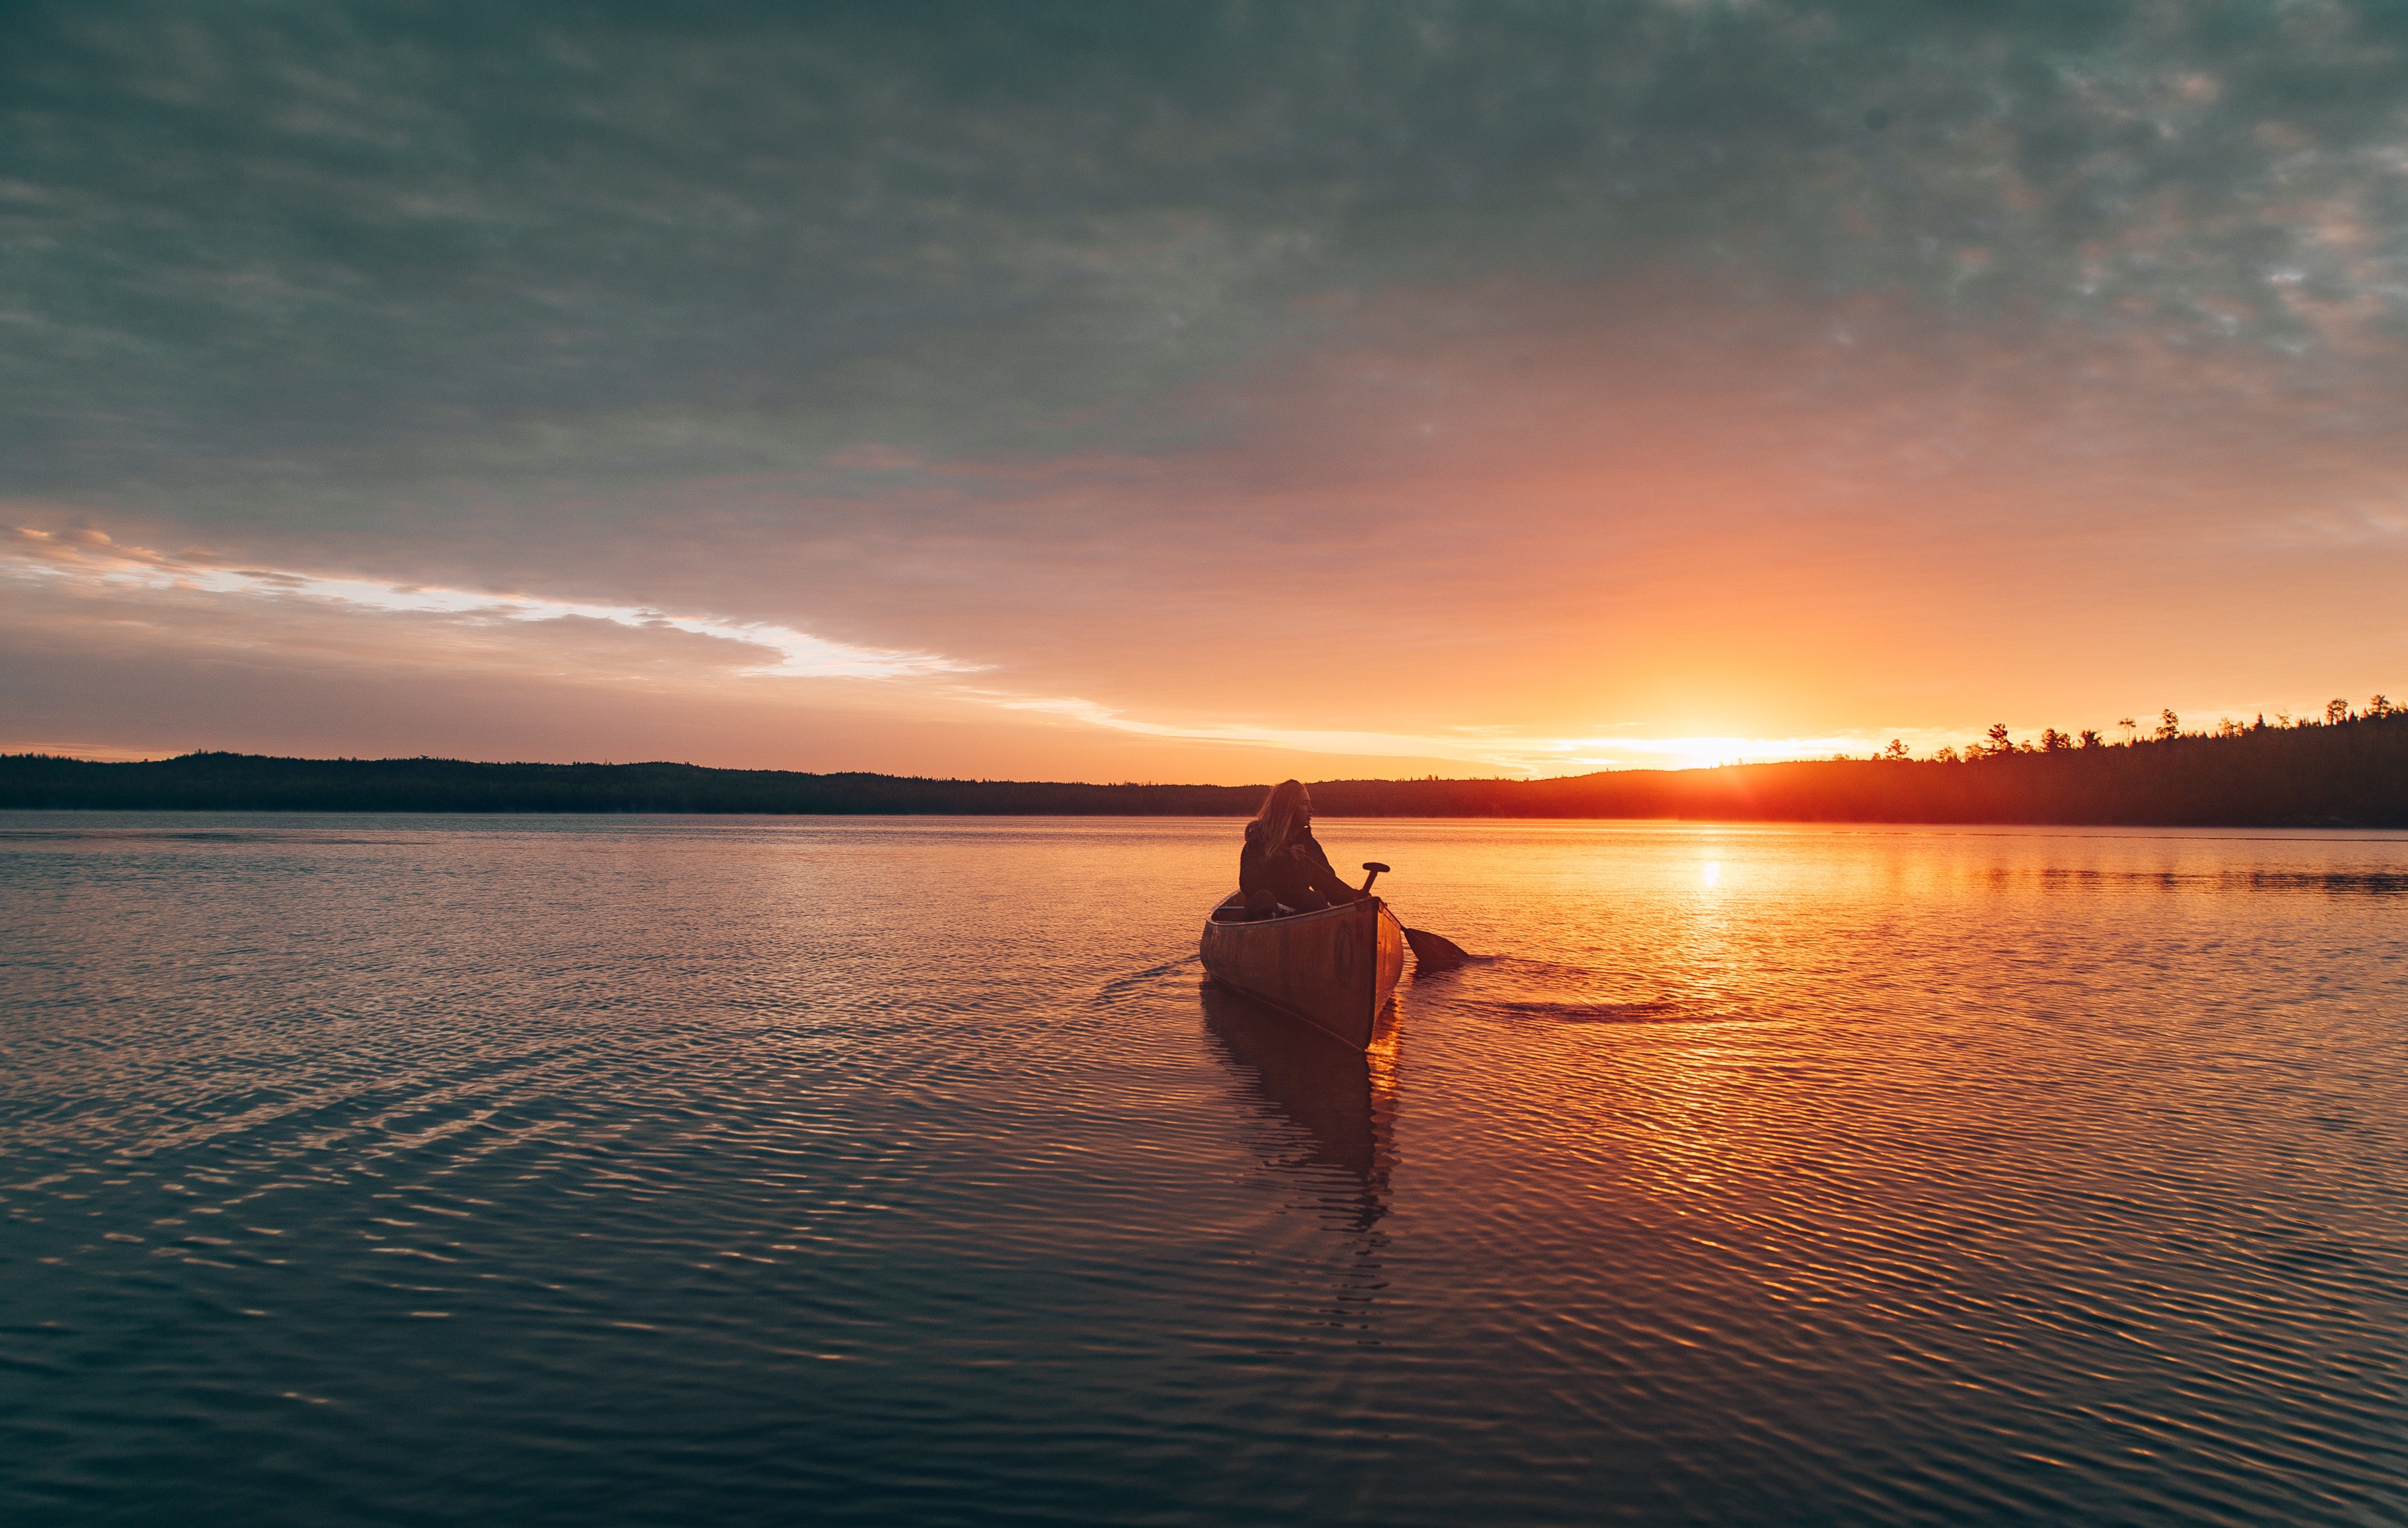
[{"x": 1282, "y": 864}]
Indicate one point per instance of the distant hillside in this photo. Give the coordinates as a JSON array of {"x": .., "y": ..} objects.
[
  {"x": 250, "y": 782},
  {"x": 2351, "y": 772}
]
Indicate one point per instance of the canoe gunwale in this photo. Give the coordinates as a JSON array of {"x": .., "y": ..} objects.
[{"x": 1341, "y": 910}]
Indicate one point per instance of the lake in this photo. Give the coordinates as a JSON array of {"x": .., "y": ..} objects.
[{"x": 678, "y": 1170}]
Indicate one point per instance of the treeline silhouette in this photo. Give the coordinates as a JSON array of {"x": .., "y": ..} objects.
[
  {"x": 250, "y": 782},
  {"x": 2351, "y": 771}
]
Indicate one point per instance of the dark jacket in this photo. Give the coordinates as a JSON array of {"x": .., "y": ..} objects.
[{"x": 1300, "y": 866}]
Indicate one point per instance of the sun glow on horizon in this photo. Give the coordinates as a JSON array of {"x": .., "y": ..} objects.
[
  {"x": 93, "y": 560},
  {"x": 246, "y": 606}
]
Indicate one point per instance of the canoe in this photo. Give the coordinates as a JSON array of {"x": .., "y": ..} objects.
[{"x": 1336, "y": 968}]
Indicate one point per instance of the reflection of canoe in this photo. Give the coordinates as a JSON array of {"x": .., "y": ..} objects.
[
  {"x": 1335, "y": 968},
  {"x": 1305, "y": 1076},
  {"x": 1345, "y": 1103}
]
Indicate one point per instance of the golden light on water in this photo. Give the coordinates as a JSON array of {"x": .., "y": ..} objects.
[{"x": 1711, "y": 875}]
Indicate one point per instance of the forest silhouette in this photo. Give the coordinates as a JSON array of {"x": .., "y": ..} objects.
[{"x": 2345, "y": 768}]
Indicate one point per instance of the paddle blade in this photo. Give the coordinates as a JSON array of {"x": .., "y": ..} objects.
[{"x": 1432, "y": 953}]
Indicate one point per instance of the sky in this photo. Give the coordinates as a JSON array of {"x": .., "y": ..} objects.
[{"x": 1194, "y": 391}]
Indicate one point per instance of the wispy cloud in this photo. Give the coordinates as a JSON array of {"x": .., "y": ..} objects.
[
  {"x": 1489, "y": 749},
  {"x": 790, "y": 653}
]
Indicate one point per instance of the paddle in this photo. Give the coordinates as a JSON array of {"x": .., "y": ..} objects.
[{"x": 1430, "y": 952}]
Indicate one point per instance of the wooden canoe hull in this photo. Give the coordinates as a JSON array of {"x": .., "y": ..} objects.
[{"x": 1335, "y": 969}]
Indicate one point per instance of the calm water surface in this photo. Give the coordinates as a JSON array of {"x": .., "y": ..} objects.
[{"x": 409, "y": 1169}]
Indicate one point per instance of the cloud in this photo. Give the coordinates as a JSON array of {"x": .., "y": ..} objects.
[
  {"x": 245, "y": 238},
  {"x": 90, "y": 556}
]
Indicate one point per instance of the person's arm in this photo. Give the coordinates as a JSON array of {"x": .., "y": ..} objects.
[{"x": 1314, "y": 860}]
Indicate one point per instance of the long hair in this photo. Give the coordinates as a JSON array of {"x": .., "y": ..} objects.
[{"x": 1275, "y": 825}]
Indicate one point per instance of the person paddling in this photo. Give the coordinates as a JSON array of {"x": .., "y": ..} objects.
[{"x": 1281, "y": 863}]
